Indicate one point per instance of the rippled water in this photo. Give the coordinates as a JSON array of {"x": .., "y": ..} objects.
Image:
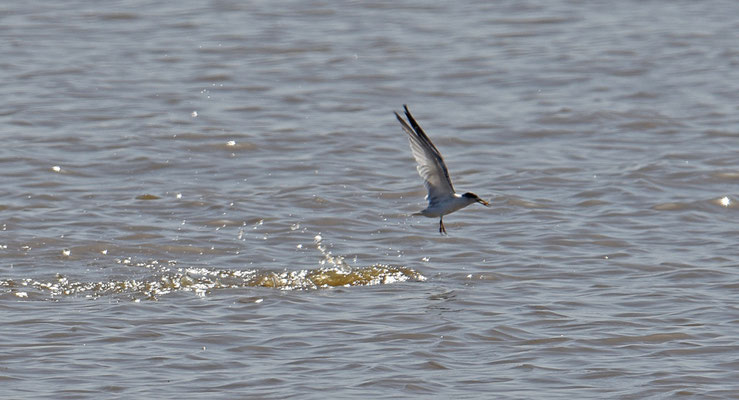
[{"x": 214, "y": 199}]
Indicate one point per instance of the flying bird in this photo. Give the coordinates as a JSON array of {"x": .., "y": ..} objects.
[{"x": 441, "y": 196}]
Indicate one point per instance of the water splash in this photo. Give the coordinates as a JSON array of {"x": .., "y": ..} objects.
[{"x": 165, "y": 277}]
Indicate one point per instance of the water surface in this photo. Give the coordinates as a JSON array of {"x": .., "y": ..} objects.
[{"x": 214, "y": 199}]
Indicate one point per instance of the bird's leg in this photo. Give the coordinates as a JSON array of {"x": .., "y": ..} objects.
[{"x": 442, "y": 230}]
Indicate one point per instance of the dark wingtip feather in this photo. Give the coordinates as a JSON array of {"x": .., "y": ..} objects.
[
  {"x": 408, "y": 114},
  {"x": 416, "y": 126}
]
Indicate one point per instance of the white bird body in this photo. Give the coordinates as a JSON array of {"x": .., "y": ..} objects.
[
  {"x": 441, "y": 196},
  {"x": 446, "y": 206}
]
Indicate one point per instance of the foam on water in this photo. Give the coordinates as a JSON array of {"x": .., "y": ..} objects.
[{"x": 166, "y": 277}]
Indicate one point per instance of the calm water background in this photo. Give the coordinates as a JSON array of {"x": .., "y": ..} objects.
[{"x": 213, "y": 199}]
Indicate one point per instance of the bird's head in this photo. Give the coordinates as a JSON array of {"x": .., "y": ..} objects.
[{"x": 474, "y": 197}]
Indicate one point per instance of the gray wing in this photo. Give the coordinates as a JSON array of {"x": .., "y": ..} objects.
[{"x": 431, "y": 165}]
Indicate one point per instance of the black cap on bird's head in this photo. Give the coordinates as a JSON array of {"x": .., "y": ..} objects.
[{"x": 476, "y": 198}]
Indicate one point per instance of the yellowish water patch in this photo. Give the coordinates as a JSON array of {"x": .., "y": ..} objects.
[{"x": 166, "y": 277}]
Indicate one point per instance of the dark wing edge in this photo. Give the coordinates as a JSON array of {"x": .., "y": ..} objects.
[{"x": 418, "y": 133}]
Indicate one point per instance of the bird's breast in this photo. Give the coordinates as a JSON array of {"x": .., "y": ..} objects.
[{"x": 445, "y": 207}]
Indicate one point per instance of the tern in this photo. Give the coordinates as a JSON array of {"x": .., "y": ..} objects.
[{"x": 441, "y": 196}]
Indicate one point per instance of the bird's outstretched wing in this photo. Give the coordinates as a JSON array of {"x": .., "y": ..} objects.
[{"x": 431, "y": 165}]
